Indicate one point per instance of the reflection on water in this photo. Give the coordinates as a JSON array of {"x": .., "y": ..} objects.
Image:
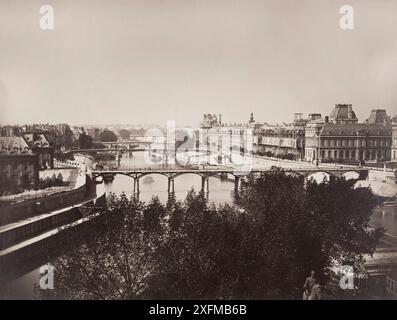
[
  {"x": 385, "y": 217},
  {"x": 220, "y": 190},
  {"x": 22, "y": 287}
]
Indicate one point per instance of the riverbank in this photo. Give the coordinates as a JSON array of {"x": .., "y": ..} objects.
[
  {"x": 383, "y": 190},
  {"x": 22, "y": 258},
  {"x": 72, "y": 179}
]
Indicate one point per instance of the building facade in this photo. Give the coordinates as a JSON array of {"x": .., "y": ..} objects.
[
  {"x": 226, "y": 142},
  {"x": 340, "y": 138},
  {"x": 40, "y": 145},
  {"x": 19, "y": 167},
  {"x": 394, "y": 144},
  {"x": 284, "y": 142},
  {"x": 348, "y": 143}
]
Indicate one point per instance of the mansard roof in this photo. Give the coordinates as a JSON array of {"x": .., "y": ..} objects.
[
  {"x": 354, "y": 129},
  {"x": 341, "y": 112}
]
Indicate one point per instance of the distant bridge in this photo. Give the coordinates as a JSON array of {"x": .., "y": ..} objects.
[
  {"x": 121, "y": 146},
  {"x": 104, "y": 150},
  {"x": 205, "y": 173}
]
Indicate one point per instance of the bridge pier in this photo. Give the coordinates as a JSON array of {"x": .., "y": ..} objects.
[
  {"x": 236, "y": 184},
  {"x": 205, "y": 186},
  {"x": 171, "y": 185},
  {"x": 136, "y": 188}
]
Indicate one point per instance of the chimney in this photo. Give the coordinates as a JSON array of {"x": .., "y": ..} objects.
[
  {"x": 220, "y": 119},
  {"x": 326, "y": 119},
  {"x": 349, "y": 111}
]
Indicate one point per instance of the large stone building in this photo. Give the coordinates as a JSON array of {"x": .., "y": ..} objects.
[
  {"x": 9, "y": 131},
  {"x": 394, "y": 144},
  {"x": 19, "y": 167},
  {"x": 226, "y": 140},
  {"x": 60, "y": 136},
  {"x": 285, "y": 142},
  {"x": 340, "y": 138},
  {"x": 38, "y": 143}
]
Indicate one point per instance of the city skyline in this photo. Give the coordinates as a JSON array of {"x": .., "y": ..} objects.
[{"x": 138, "y": 62}]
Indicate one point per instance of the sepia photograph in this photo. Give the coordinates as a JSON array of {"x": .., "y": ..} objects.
[{"x": 203, "y": 153}]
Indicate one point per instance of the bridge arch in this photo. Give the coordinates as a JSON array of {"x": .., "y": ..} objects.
[
  {"x": 143, "y": 174},
  {"x": 351, "y": 175},
  {"x": 319, "y": 177}
]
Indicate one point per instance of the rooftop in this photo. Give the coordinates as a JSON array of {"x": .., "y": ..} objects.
[
  {"x": 14, "y": 145},
  {"x": 342, "y": 112},
  {"x": 352, "y": 129}
]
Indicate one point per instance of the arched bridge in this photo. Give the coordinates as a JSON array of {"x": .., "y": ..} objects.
[{"x": 205, "y": 173}]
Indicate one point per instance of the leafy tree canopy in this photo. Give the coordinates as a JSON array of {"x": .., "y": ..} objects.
[
  {"x": 261, "y": 246},
  {"x": 107, "y": 136},
  {"x": 124, "y": 134}
]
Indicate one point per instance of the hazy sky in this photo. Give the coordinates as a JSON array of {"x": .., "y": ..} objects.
[{"x": 149, "y": 61}]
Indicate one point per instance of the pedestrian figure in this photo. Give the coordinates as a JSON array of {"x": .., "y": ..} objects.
[
  {"x": 315, "y": 293},
  {"x": 309, "y": 284}
]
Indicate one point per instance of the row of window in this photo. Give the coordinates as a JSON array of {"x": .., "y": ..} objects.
[
  {"x": 25, "y": 166},
  {"x": 280, "y": 142},
  {"x": 354, "y": 142},
  {"x": 352, "y": 154}
]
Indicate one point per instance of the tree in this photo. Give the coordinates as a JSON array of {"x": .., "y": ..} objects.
[
  {"x": 59, "y": 179},
  {"x": 262, "y": 246},
  {"x": 108, "y": 258},
  {"x": 107, "y": 136},
  {"x": 124, "y": 134},
  {"x": 309, "y": 227},
  {"x": 85, "y": 141}
]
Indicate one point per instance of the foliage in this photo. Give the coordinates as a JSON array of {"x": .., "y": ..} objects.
[
  {"x": 84, "y": 141},
  {"x": 107, "y": 136},
  {"x": 304, "y": 228},
  {"x": 9, "y": 186},
  {"x": 262, "y": 246},
  {"x": 54, "y": 181},
  {"x": 124, "y": 134}
]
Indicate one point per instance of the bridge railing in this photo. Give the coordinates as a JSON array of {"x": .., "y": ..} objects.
[
  {"x": 216, "y": 169},
  {"x": 66, "y": 163}
]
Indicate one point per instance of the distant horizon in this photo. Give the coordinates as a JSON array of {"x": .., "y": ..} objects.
[{"x": 142, "y": 125}]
